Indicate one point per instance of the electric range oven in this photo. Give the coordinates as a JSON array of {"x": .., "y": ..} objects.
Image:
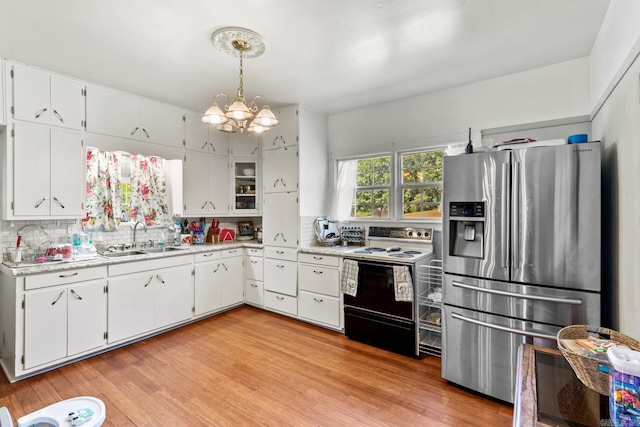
[{"x": 374, "y": 315}]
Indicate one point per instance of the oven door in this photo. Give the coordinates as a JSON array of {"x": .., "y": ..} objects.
[{"x": 376, "y": 291}]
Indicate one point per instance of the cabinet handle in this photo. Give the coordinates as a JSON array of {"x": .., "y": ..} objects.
[
  {"x": 253, "y": 285},
  {"x": 213, "y": 147},
  {"x": 284, "y": 184},
  {"x": 279, "y": 298},
  {"x": 204, "y": 145},
  {"x": 217, "y": 267},
  {"x": 149, "y": 281},
  {"x": 39, "y": 113},
  {"x": 204, "y": 205},
  {"x": 275, "y": 182},
  {"x": 59, "y": 296},
  {"x": 55, "y": 199},
  {"x": 59, "y": 116},
  {"x": 279, "y": 266},
  {"x": 134, "y": 131},
  {"x": 62, "y": 276},
  {"x": 75, "y": 295},
  {"x": 254, "y": 151},
  {"x": 208, "y": 255},
  {"x": 274, "y": 143},
  {"x": 317, "y": 272},
  {"x": 37, "y": 205},
  {"x": 275, "y": 237},
  {"x": 279, "y": 252},
  {"x": 212, "y": 205},
  {"x": 160, "y": 278},
  {"x": 283, "y": 238},
  {"x": 318, "y": 300},
  {"x": 253, "y": 251},
  {"x": 253, "y": 262},
  {"x": 317, "y": 257},
  {"x": 283, "y": 141},
  {"x": 225, "y": 267},
  {"x": 232, "y": 251},
  {"x": 145, "y": 132}
]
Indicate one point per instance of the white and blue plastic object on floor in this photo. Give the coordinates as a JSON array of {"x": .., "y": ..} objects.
[{"x": 83, "y": 411}]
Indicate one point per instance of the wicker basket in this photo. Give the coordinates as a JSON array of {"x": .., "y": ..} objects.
[{"x": 593, "y": 373}]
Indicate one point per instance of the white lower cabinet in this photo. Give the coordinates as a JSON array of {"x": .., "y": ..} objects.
[
  {"x": 254, "y": 276},
  {"x": 218, "y": 280},
  {"x": 231, "y": 278},
  {"x": 65, "y": 318},
  {"x": 281, "y": 279},
  {"x": 319, "y": 289},
  {"x": 149, "y": 300},
  {"x": 284, "y": 303}
]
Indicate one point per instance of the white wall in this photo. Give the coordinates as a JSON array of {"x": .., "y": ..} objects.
[
  {"x": 440, "y": 118},
  {"x": 618, "y": 36},
  {"x": 616, "y": 122}
]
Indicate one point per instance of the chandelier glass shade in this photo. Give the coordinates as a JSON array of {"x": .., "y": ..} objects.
[{"x": 238, "y": 115}]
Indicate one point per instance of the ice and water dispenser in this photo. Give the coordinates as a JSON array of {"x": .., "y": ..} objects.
[{"x": 466, "y": 229}]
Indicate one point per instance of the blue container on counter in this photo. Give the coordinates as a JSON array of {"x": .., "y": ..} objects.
[{"x": 578, "y": 138}]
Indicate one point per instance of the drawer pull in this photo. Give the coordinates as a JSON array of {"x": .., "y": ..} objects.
[
  {"x": 317, "y": 257},
  {"x": 279, "y": 252},
  {"x": 62, "y": 276},
  {"x": 255, "y": 251},
  {"x": 279, "y": 266},
  {"x": 208, "y": 255},
  {"x": 59, "y": 296},
  {"x": 253, "y": 285},
  {"x": 318, "y": 299},
  {"x": 317, "y": 272},
  {"x": 280, "y": 298},
  {"x": 75, "y": 295},
  {"x": 253, "y": 262},
  {"x": 232, "y": 251}
]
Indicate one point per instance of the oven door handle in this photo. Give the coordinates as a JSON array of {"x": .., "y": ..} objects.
[
  {"x": 572, "y": 301},
  {"x": 504, "y": 328}
]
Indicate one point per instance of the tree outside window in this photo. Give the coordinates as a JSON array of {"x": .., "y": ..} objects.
[
  {"x": 373, "y": 185},
  {"x": 421, "y": 184}
]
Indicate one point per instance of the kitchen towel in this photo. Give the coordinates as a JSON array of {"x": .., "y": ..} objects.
[
  {"x": 402, "y": 283},
  {"x": 349, "y": 281}
]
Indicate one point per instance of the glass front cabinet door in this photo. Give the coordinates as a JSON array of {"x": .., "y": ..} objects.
[{"x": 246, "y": 185}]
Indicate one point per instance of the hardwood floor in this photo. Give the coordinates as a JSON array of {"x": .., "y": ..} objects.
[{"x": 252, "y": 367}]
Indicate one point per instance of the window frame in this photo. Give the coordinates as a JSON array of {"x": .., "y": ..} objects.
[{"x": 396, "y": 211}]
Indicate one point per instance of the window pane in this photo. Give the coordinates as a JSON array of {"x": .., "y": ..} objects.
[
  {"x": 382, "y": 178},
  {"x": 410, "y": 195},
  {"x": 432, "y": 158},
  {"x": 432, "y": 194},
  {"x": 432, "y": 210},
  {"x": 412, "y": 210},
  {"x": 364, "y": 179},
  {"x": 380, "y": 211}
]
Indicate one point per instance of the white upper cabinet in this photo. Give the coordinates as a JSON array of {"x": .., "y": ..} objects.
[
  {"x": 280, "y": 170},
  {"x": 126, "y": 116},
  {"x": 203, "y": 137},
  {"x": 286, "y": 133},
  {"x": 246, "y": 145},
  {"x": 40, "y": 97}
]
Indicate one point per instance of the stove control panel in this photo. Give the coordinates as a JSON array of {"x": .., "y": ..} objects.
[{"x": 420, "y": 234}]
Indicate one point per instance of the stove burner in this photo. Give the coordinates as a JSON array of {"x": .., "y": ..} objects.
[
  {"x": 362, "y": 251},
  {"x": 376, "y": 249},
  {"x": 401, "y": 255},
  {"x": 413, "y": 252}
]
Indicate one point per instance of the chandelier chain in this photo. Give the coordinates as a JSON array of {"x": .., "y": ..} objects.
[{"x": 241, "y": 88}]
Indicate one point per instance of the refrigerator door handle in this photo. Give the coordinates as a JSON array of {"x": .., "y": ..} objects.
[
  {"x": 504, "y": 328},
  {"x": 503, "y": 217},
  {"x": 515, "y": 209},
  {"x": 571, "y": 301}
]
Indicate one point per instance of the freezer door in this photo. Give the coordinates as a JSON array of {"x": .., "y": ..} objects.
[
  {"x": 556, "y": 216},
  {"x": 476, "y": 215},
  {"x": 526, "y": 302},
  {"x": 480, "y": 350}
]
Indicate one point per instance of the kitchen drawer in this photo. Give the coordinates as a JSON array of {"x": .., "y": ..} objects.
[
  {"x": 207, "y": 256},
  {"x": 283, "y": 303},
  {"x": 64, "y": 277},
  {"x": 152, "y": 264},
  {"x": 320, "y": 280},
  {"x": 254, "y": 268},
  {"x": 319, "y": 308},
  {"x": 281, "y": 276},
  {"x": 326, "y": 260},
  {"x": 254, "y": 251},
  {"x": 230, "y": 253},
  {"x": 281, "y": 253},
  {"x": 254, "y": 292}
]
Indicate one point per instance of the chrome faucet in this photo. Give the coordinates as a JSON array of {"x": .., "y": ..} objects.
[{"x": 135, "y": 226}]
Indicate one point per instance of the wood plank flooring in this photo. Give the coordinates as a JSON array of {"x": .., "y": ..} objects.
[{"x": 252, "y": 367}]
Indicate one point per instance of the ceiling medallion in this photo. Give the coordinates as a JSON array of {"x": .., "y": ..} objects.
[{"x": 240, "y": 115}]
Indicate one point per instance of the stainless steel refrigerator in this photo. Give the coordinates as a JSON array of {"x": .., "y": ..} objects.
[{"x": 521, "y": 257}]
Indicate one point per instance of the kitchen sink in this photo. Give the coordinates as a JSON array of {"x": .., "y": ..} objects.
[
  {"x": 156, "y": 250},
  {"x": 122, "y": 253}
]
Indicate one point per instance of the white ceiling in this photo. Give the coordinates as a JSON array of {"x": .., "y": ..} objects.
[{"x": 330, "y": 55}]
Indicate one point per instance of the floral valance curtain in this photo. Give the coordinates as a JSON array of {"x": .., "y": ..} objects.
[
  {"x": 149, "y": 191},
  {"x": 104, "y": 185}
]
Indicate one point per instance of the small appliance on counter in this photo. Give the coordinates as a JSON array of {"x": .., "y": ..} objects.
[{"x": 326, "y": 232}]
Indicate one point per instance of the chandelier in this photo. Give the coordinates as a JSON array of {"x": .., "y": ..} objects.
[{"x": 239, "y": 115}]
